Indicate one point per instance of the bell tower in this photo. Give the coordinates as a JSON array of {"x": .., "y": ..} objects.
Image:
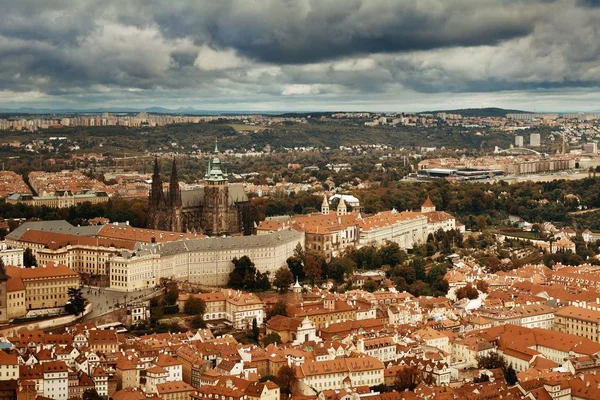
[
  {"x": 216, "y": 199},
  {"x": 156, "y": 200},
  {"x": 325, "y": 206}
]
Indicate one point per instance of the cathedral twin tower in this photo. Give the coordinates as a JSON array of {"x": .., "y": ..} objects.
[{"x": 217, "y": 208}]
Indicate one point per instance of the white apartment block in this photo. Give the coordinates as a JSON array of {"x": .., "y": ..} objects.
[
  {"x": 11, "y": 255},
  {"x": 402, "y": 228},
  {"x": 9, "y": 366},
  {"x": 56, "y": 380}
]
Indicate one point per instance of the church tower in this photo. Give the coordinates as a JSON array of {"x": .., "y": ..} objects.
[
  {"x": 341, "y": 208},
  {"x": 156, "y": 200},
  {"x": 216, "y": 199},
  {"x": 428, "y": 206},
  {"x": 156, "y": 192},
  {"x": 325, "y": 206}
]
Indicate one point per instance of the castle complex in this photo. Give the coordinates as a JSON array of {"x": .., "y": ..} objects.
[{"x": 215, "y": 209}]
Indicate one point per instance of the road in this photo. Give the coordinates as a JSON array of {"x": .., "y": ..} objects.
[{"x": 105, "y": 300}]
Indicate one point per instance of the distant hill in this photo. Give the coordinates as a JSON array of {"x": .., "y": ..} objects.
[
  {"x": 124, "y": 110},
  {"x": 480, "y": 112}
]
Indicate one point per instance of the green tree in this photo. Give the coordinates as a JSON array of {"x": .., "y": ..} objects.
[
  {"x": 156, "y": 313},
  {"x": 280, "y": 308},
  {"x": 255, "y": 330},
  {"x": 271, "y": 338},
  {"x": 245, "y": 276},
  {"x": 286, "y": 379},
  {"x": 407, "y": 378},
  {"x": 299, "y": 252},
  {"x": 76, "y": 303},
  {"x": 510, "y": 375},
  {"x": 482, "y": 286},
  {"x": 367, "y": 257},
  {"x": 172, "y": 295},
  {"x": 467, "y": 292},
  {"x": 296, "y": 265},
  {"x": 194, "y": 306},
  {"x": 419, "y": 266},
  {"x": 283, "y": 279},
  {"x": 29, "y": 259},
  {"x": 91, "y": 394},
  {"x": 339, "y": 267},
  {"x": 198, "y": 322},
  {"x": 440, "y": 288},
  {"x": 491, "y": 360},
  {"x": 370, "y": 285},
  {"x": 243, "y": 272},
  {"x": 313, "y": 268},
  {"x": 391, "y": 254},
  {"x": 436, "y": 272}
]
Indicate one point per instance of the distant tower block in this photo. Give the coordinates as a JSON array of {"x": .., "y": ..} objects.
[
  {"x": 518, "y": 141},
  {"x": 534, "y": 140}
]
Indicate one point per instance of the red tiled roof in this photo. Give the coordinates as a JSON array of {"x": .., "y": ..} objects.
[
  {"x": 55, "y": 240},
  {"x": 50, "y": 271}
]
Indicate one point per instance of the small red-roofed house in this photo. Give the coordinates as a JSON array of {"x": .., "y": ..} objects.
[
  {"x": 263, "y": 391},
  {"x": 126, "y": 373},
  {"x": 56, "y": 384},
  {"x": 155, "y": 376},
  {"x": 9, "y": 366},
  {"x": 175, "y": 390},
  {"x": 172, "y": 366},
  {"x": 104, "y": 341}
]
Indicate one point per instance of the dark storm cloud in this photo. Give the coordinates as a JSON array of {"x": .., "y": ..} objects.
[
  {"x": 589, "y": 3},
  {"x": 309, "y": 31},
  {"x": 262, "y": 51}
]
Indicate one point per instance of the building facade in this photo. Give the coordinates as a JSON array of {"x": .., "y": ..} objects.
[
  {"x": 45, "y": 287},
  {"x": 215, "y": 209},
  {"x": 207, "y": 261},
  {"x": 578, "y": 321}
]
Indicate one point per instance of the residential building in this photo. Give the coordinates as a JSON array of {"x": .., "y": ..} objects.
[
  {"x": 207, "y": 261},
  {"x": 11, "y": 255},
  {"x": 9, "y": 366},
  {"x": 56, "y": 380},
  {"x": 321, "y": 313},
  {"x": 46, "y": 286},
  {"x": 175, "y": 390},
  {"x": 63, "y": 199},
  {"x": 316, "y": 376},
  {"x": 239, "y": 308},
  {"x": 579, "y": 321}
]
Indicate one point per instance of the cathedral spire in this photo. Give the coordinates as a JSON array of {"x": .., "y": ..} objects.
[
  {"x": 174, "y": 189},
  {"x": 156, "y": 193}
]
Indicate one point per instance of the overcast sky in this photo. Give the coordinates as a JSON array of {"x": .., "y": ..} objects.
[{"x": 388, "y": 55}]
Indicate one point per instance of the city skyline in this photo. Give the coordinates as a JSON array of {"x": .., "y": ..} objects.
[{"x": 301, "y": 55}]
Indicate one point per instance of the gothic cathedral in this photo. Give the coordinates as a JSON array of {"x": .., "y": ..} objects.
[{"x": 215, "y": 209}]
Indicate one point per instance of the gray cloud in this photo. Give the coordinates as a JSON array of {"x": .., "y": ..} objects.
[{"x": 294, "y": 53}]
